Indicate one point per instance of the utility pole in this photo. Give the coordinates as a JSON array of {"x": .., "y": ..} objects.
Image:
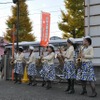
[{"x": 17, "y": 23}]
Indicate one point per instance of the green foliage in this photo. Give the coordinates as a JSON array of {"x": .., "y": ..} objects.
[
  {"x": 73, "y": 22},
  {"x": 25, "y": 25},
  {"x": 66, "y": 35}
]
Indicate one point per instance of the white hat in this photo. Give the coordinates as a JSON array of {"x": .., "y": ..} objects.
[
  {"x": 50, "y": 45},
  {"x": 87, "y": 37},
  {"x": 20, "y": 47},
  {"x": 31, "y": 47},
  {"x": 72, "y": 40}
]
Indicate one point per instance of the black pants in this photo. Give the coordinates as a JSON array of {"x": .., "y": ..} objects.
[
  {"x": 70, "y": 84},
  {"x": 92, "y": 85},
  {"x": 30, "y": 79},
  {"x": 18, "y": 77}
]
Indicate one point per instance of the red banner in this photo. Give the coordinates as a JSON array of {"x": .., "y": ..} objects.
[{"x": 45, "y": 29}]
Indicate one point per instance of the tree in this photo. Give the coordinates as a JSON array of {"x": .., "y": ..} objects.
[
  {"x": 66, "y": 35},
  {"x": 73, "y": 22},
  {"x": 25, "y": 25}
]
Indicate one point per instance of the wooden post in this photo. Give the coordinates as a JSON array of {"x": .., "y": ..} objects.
[{"x": 13, "y": 48}]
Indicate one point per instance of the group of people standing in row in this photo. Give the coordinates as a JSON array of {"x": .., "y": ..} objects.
[{"x": 85, "y": 73}]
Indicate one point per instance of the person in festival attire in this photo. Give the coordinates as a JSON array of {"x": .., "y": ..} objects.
[
  {"x": 18, "y": 68},
  {"x": 2, "y": 64},
  {"x": 32, "y": 72},
  {"x": 48, "y": 70},
  {"x": 86, "y": 72},
  {"x": 69, "y": 67}
]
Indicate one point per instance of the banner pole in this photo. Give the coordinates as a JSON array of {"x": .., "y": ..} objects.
[{"x": 13, "y": 49}]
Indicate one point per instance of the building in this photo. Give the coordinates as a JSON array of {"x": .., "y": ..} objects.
[
  {"x": 3, "y": 42},
  {"x": 92, "y": 28}
]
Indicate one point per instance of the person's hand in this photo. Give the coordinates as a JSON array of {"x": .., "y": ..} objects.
[
  {"x": 58, "y": 55},
  {"x": 61, "y": 51},
  {"x": 27, "y": 63},
  {"x": 82, "y": 56},
  {"x": 41, "y": 56}
]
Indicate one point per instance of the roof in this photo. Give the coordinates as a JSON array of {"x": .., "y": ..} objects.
[
  {"x": 3, "y": 42},
  {"x": 55, "y": 38},
  {"x": 37, "y": 43}
]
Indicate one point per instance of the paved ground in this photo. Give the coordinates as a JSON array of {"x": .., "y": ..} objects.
[{"x": 11, "y": 91}]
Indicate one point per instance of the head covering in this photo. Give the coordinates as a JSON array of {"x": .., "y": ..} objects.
[
  {"x": 20, "y": 49},
  {"x": 31, "y": 47},
  {"x": 71, "y": 40},
  {"x": 52, "y": 47},
  {"x": 88, "y": 38}
]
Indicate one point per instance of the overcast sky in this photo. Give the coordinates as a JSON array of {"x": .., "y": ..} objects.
[{"x": 35, "y": 7}]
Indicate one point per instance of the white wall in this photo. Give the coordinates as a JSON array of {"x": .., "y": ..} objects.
[
  {"x": 92, "y": 26},
  {"x": 92, "y": 2}
]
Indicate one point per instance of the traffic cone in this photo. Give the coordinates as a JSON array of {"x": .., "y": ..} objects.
[
  {"x": 25, "y": 76},
  {"x": 12, "y": 74}
]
